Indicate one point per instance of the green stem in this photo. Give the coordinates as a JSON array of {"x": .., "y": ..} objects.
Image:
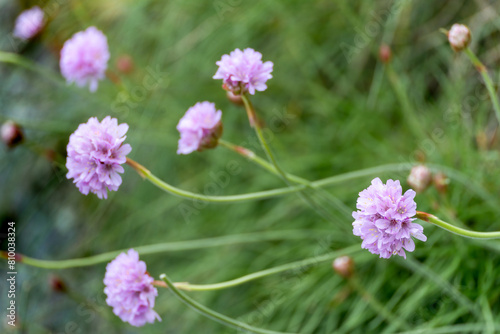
[
  {"x": 258, "y": 129},
  {"x": 258, "y": 160},
  {"x": 271, "y": 271},
  {"x": 456, "y": 230},
  {"x": 13, "y": 58},
  {"x": 169, "y": 247},
  {"x": 183, "y": 193},
  {"x": 211, "y": 314},
  {"x": 487, "y": 80}
]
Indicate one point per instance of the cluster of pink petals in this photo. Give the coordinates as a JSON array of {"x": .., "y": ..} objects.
[
  {"x": 459, "y": 36},
  {"x": 95, "y": 155},
  {"x": 29, "y": 23},
  {"x": 200, "y": 128},
  {"x": 384, "y": 219},
  {"x": 244, "y": 71},
  {"x": 84, "y": 58},
  {"x": 129, "y": 289}
]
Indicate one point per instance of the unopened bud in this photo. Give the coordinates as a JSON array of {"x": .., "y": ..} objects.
[
  {"x": 344, "y": 266},
  {"x": 236, "y": 99},
  {"x": 459, "y": 37},
  {"x": 57, "y": 284},
  {"x": 125, "y": 64},
  {"x": 12, "y": 134},
  {"x": 420, "y": 178},
  {"x": 385, "y": 53},
  {"x": 441, "y": 182}
]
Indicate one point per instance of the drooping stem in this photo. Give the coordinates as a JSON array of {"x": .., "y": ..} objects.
[
  {"x": 271, "y": 271},
  {"x": 456, "y": 230},
  {"x": 487, "y": 80},
  {"x": 211, "y": 314},
  {"x": 168, "y": 247}
]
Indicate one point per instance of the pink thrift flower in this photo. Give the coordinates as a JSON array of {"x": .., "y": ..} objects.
[
  {"x": 200, "y": 128},
  {"x": 84, "y": 58},
  {"x": 420, "y": 178},
  {"x": 244, "y": 71},
  {"x": 384, "y": 219},
  {"x": 130, "y": 289},
  {"x": 29, "y": 23},
  {"x": 95, "y": 155},
  {"x": 459, "y": 37}
]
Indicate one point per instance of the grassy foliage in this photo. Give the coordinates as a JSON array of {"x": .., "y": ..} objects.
[{"x": 333, "y": 108}]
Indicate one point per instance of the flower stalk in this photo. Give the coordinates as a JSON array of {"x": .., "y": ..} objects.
[{"x": 427, "y": 217}]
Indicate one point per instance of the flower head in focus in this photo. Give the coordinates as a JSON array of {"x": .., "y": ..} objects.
[
  {"x": 244, "y": 71},
  {"x": 129, "y": 289},
  {"x": 29, "y": 23},
  {"x": 84, "y": 58},
  {"x": 200, "y": 128},
  {"x": 459, "y": 37},
  {"x": 384, "y": 219},
  {"x": 95, "y": 155}
]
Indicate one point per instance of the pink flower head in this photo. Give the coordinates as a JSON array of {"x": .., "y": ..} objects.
[
  {"x": 130, "y": 289},
  {"x": 384, "y": 219},
  {"x": 84, "y": 58},
  {"x": 459, "y": 36},
  {"x": 29, "y": 23},
  {"x": 243, "y": 71},
  {"x": 200, "y": 128},
  {"x": 95, "y": 155}
]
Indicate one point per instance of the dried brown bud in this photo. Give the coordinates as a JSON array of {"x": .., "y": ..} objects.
[
  {"x": 344, "y": 266},
  {"x": 12, "y": 134},
  {"x": 441, "y": 182},
  {"x": 57, "y": 284},
  {"x": 385, "y": 53}
]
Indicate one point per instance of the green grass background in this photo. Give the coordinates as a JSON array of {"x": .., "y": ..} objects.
[{"x": 341, "y": 114}]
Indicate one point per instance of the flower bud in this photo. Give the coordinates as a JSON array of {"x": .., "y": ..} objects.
[
  {"x": 344, "y": 266},
  {"x": 12, "y": 134},
  {"x": 441, "y": 182},
  {"x": 420, "y": 178},
  {"x": 459, "y": 37},
  {"x": 125, "y": 64},
  {"x": 57, "y": 284},
  {"x": 236, "y": 99},
  {"x": 385, "y": 53}
]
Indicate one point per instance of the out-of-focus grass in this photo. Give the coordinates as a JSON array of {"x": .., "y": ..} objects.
[{"x": 341, "y": 113}]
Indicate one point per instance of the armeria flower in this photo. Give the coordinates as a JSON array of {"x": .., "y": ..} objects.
[
  {"x": 95, "y": 155},
  {"x": 200, "y": 128},
  {"x": 459, "y": 36},
  {"x": 29, "y": 23},
  {"x": 84, "y": 58},
  {"x": 420, "y": 178},
  {"x": 243, "y": 71},
  {"x": 384, "y": 219},
  {"x": 130, "y": 289}
]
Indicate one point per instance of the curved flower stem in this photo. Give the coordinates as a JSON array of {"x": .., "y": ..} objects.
[
  {"x": 267, "y": 272},
  {"x": 258, "y": 160},
  {"x": 169, "y": 247},
  {"x": 211, "y": 314},
  {"x": 456, "y": 230},
  {"x": 183, "y": 193},
  {"x": 487, "y": 80}
]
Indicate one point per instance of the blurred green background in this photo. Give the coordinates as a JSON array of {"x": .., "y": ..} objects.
[{"x": 332, "y": 108}]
